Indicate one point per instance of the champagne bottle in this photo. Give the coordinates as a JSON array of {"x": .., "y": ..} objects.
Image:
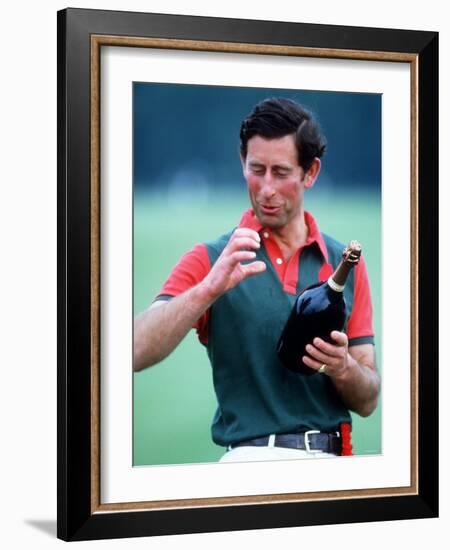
[{"x": 317, "y": 311}]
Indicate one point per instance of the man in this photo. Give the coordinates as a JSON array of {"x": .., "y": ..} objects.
[{"x": 238, "y": 290}]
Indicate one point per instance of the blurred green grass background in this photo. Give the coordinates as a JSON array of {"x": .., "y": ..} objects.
[{"x": 174, "y": 401}]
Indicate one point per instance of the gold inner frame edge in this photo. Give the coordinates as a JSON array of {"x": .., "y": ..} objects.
[{"x": 97, "y": 41}]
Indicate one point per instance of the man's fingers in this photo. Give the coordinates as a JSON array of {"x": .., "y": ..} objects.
[
  {"x": 340, "y": 338},
  {"x": 239, "y": 243},
  {"x": 247, "y": 269},
  {"x": 330, "y": 348},
  {"x": 253, "y": 268},
  {"x": 241, "y": 256},
  {"x": 310, "y": 362},
  {"x": 240, "y": 248},
  {"x": 319, "y": 355},
  {"x": 246, "y": 232}
]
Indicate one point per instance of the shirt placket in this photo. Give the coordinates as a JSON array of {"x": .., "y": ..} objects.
[{"x": 287, "y": 271}]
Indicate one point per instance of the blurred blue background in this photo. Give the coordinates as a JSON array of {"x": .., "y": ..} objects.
[
  {"x": 189, "y": 188},
  {"x": 185, "y": 131}
]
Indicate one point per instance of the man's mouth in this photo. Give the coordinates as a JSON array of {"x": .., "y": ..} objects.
[{"x": 269, "y": 209}]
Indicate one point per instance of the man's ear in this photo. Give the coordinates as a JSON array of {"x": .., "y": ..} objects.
[
  {"x": 312, "y": 174},
  {"x": 242, "y": 163}
]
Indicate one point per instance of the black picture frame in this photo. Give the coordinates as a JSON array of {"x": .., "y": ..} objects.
[{"x": 81, "y": 34}]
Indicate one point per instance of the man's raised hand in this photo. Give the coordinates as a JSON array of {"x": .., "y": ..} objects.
[{"x": 228, "y": 271}]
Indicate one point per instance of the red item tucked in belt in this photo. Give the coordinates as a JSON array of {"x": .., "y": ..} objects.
[{"x": 346, "y": 435}]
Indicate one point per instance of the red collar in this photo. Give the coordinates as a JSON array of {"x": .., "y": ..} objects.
[{"x": 250, "y": 221}]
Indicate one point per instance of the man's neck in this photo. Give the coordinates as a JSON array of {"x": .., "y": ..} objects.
[{"x": 291, "y": 236}]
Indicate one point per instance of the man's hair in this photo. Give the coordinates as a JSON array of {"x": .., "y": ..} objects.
[{"x": 277, "y": 117}]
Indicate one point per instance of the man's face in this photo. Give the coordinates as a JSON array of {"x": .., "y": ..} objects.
[{"x": 275, "y": 180}]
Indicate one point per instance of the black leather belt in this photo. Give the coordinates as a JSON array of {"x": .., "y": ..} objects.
[{"x": 311, "y": 441}]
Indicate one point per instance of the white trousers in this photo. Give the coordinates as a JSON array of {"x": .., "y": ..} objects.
[{"x": 255, "y": 454}]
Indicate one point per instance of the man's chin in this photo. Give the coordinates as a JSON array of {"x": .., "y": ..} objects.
[{"x": 272, "y": 222}]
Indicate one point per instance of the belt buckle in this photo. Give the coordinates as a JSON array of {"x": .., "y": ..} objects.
[{"x": 307, "y": 444}]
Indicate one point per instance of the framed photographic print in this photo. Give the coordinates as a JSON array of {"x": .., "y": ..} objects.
[
  {"x": 150, "y": 164},
  {"x": 205, "y": 192}
]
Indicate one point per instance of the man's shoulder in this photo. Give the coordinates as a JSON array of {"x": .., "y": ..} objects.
[{"x": 334, "y": 248}]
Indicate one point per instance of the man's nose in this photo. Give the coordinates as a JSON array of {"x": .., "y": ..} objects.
[{"x": 268, "y": 186}]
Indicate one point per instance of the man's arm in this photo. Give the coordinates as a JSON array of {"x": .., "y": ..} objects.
[
  {"x": 352, "y": 370},
  {"x": 159, "y": 329}
]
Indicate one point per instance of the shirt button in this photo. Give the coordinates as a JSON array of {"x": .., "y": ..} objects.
[
  {"x": 279, "y": 261},
  {"x": 266, "y": 235}
]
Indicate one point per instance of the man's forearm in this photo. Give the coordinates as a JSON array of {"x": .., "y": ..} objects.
[
  {"x": 159, "y": 329},
  {"x": 358, "y": 387}
]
